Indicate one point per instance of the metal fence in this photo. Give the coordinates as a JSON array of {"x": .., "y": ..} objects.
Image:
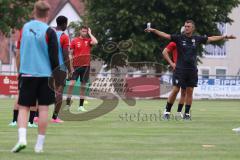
[{"x": 146, "y": 84}]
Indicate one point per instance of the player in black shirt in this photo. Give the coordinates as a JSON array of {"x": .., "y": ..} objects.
[{"x": 186, "y": 67}]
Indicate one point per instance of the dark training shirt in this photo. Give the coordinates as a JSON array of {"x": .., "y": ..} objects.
[{"x": 187, "y": 50}]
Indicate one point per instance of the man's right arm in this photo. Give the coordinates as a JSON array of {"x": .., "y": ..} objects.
[
  {"x": 159, "y": 33},
  {"x": 165, "y": 53},
  {"x": 71, "y": 56}
]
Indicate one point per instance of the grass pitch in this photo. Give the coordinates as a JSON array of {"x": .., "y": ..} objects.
[{"x": 133, "y": 133}]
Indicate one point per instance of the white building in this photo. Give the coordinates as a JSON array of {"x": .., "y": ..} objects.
[
  {"x": 72, "y": 9},
  {"x": 225, "y": 60}
]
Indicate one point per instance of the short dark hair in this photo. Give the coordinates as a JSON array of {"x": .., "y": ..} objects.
[
  {"x": 61, "y": 20},
  {"x": 190, "y": 21},
  {"x": 83, "y": 27}
]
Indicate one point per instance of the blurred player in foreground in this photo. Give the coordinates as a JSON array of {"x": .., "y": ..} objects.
[{"x": 38, "y": 59}]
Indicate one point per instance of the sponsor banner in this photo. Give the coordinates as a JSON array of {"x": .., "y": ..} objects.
[
  {"x": 217, "y": 89},
  {"x": 8, "y": 85},
  {"x": 137, "y": 87},
  {"x": 209, "y": 88},
  {"x": 143, "y": 87}
]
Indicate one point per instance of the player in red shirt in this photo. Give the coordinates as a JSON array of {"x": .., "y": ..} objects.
[
  {"x": 171, "y": 48},
  {"x": 81, "y": 55},
  {"x": 64, "y": 63}
]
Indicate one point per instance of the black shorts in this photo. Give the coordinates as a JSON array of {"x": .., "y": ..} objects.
[
  {"x": 34, "y": 90},
  {"x": 82, "y": 72},
  {"x": 185, "y": 78}
]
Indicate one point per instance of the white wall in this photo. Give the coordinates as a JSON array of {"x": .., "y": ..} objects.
[
  {"x": 233, "y": 46},
  {"x": 69, "y": 12},
  {"x": 231, "y": 61}
]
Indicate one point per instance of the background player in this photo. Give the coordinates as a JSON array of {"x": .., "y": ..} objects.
[
  {"x": 31, "y": 124},
  {"x": 186, "y": 68},
  {"x": 64, "y": 62},
  {"x": 171, "y": 48},
  {"x": 81, "y": 51}
]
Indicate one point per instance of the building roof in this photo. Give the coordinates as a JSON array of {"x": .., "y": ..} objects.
[{"x": 57, "y": 5}]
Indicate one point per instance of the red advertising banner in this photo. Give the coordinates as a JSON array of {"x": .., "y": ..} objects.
[
  {"x": 143, "y": 87},
  {"x": 8, "y": 85}
]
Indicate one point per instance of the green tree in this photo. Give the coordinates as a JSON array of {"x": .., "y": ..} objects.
[
  {"x": 118, "y": 20},
  {"x": 13, "y": 13}
]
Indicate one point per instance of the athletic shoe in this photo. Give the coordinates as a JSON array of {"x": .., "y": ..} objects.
[
  {"x": 18, "y": 147},
  {"x": 178, "y": 116},
  {"x": 32, "y": 125},
  {"x": 187, "y": 117},
  {"x": 57, "y": 120},
  {"x": 38, "y": 150},
  {"x": 68, "y": 105},
  {"x": 81, "y": 109},
  {"x": 13, "y": 124},
  {"x": 166, "y": 116},
  {"x": 35, "y": 119},
  {"x": 237, "y": 130},
  {"x": 66, "y": 108},
  {"x": 86, "y": 102}
]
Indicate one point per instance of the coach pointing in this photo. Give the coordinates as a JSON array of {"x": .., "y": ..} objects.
[{"x": 186, "y": 67}]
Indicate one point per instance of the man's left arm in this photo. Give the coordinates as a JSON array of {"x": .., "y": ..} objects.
[
  {"x": 53, "y": 56},
  {"x": 52, "y": 48},
  {"x": 18, "y": 51},
  {"x": 18, "y": 60},
  {"x": 219, "y": 38},
  {"x": 94, "y": 40}
]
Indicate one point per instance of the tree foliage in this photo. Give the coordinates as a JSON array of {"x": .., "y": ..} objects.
[
  {"x": 13, "y": 13},
  {"x": 119, "y": 20}
]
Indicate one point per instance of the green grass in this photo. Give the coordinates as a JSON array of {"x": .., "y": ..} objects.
[{"x": 115, "y": 137}]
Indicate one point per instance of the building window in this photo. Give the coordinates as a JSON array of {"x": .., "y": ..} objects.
[
  {"x": 205, "y": 73},
  {"x": 214, "y": 51},
  {"x": 220, "y": 73}
]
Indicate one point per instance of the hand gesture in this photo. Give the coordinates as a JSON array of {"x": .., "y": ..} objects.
[
  {"x": 173, "y": 66},
  {"x": 149, "y": 30},
  {"x": 69, "y": 75},
  {"x": 230, "y": 37},
  {"x": 89, "y": 31}
]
